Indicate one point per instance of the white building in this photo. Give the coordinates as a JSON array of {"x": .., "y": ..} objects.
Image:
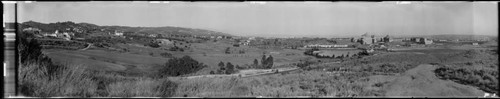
[
  {"x": 475, "y": 43},
  {"x": 325, "y": 46},
  {"x": 118, "y": 33}
]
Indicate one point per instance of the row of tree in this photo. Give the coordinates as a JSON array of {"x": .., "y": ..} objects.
[
  {"x": 228, "y": 51},
  {"x": 317, "y": 55},
  {"x": 225, "y": 69},
  {"x": 266, "y": 62}
]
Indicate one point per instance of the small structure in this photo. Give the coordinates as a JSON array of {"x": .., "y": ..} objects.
[
  {"x": 152, "y": 35},
  {"x": 118, "y": 33},
  {"x": 32, "y": 30},
  {"x": 365, "y": 39},
  {"x": 370, "y": 50},
  {"x": 64, "y": 35},
  {"x": 274, "y": 52},
  {"x": 421, "y": 40},
  {"x": 387, "y": 39},
  {"x": 475, "y": 43}
]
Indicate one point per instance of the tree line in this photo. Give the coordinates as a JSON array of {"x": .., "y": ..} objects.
[{"x": 266, "y": 62}]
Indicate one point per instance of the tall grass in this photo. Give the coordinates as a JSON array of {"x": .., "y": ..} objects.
[
  {"x": 39, "y": 77},
  {"x": 76, "y": 81},
  {"x": 142, "y": 87},
  {"x": 309, "y": 83},
  {"x": 35, "y": 80}
]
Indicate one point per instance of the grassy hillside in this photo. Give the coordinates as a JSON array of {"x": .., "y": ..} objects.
[{"x": 92, "y": 28}]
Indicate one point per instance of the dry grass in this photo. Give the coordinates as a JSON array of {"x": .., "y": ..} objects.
[
  {"x": 36, "y": 81},
  {"x": 141, "y": 87},
  {"x": 76, "y": 81},
  {"x": 308, "y": 83}
]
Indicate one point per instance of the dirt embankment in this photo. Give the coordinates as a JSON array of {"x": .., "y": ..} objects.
[{"x": 422, "y": 82}]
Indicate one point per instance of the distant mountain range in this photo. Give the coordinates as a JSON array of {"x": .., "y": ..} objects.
[
  {"x": 450, "y": 36},
  {"x": 462, "y": 37},
  {"x": 91, "y": 28}
]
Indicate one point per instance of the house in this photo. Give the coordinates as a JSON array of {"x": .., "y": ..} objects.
[
  {"x": 421, "y": 40},
  {"x": 118, "y": 33},
  {"x": 387, "y": 39},
  {"x": 152, "y": 35},
  {"x": 32, "y": 30},
  {"x": 475, "y": 43},
  {"x": 64, "y": 35},
  {"x": 340, "y": 45},
  {"x": 370, "y": 50}
]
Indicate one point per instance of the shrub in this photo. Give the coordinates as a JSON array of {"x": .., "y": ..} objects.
[
  {"x": 180, "y": 66},
  {"x": 485, "y": 79}
]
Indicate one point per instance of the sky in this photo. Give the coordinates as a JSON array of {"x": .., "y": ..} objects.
[{"x": 280, "y": 19}]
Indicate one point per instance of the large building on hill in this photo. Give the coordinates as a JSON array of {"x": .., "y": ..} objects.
[
  {"x": 366, "y": 39},
  {"x": 387, "y": 39}
]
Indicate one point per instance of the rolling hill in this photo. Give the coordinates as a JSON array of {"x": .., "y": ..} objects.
[{"x": 92, "y": 28}]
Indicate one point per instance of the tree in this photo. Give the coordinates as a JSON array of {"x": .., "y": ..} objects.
[
  {"x": 255, "y": 62},
  {"x": 180, "y": 66},
  {"x": 228, "y": 51},
  {"x": 263, "y": 61},
  {"x": 221, "y": 66},
  {"x": 230, "y": 68},
  {"x": 269, "y": 62},
  {"x": 333, "y": 55}
]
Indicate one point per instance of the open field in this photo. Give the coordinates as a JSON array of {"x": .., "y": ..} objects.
[
  {"x": 146, "y": 58},
  {"x": 107, "y": 60}
]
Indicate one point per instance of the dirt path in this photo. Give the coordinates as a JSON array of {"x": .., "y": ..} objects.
[
  {"x": 89, "y": 44},
  {"x": 248, "y": 74},
  {"x": 422, "y": 82}
]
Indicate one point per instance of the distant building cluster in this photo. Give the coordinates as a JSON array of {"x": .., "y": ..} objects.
[
  {"x": 325, "y": 46},
  {"x": 366, "y": 39},
  {"x": 421, "y": 40},
  {"x": 56, "y": 34},
  {"x": 33, "y": 30}
]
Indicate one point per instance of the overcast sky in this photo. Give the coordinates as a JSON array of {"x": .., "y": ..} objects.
[{"x": 327, "y": 19}]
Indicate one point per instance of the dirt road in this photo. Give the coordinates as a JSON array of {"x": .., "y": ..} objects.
[{"x": 89, "y": 44}]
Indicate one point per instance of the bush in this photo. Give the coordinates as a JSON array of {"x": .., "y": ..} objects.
[
  {"x": 166, "y": 55},
  {"x": 180, "y": 66},
  {"x": 152, "y": 44},
  {"x": 485, "y": 79}
]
